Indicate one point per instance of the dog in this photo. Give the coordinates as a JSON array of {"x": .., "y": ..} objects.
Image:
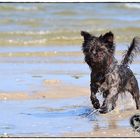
[{"x": 106, "y": 75}]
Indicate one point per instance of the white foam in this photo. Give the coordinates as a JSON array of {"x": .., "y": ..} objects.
[{"x": 133, "y": 5}]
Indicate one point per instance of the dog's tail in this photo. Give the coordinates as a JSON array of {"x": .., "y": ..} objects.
[{"x": 132, "y": 51}]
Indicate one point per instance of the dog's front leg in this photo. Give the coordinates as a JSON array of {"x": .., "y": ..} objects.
[{"x": 94, "y": 100}]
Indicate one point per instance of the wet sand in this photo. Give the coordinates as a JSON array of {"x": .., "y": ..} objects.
[
  {"x": 112, "y": 132},
  {"x": 60, "y": 111},
  {"x": 56, "y": 90}
]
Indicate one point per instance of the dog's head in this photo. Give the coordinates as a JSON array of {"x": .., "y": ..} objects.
[{"x": 97, "y": 49}]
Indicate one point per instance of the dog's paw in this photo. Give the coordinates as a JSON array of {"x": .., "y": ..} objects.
[
  {"x": 96, "y": 105},
  {"x": 106, "y": 108},
  {"x": 95, "y": 102},
  {"x": 103, "y": 110}
]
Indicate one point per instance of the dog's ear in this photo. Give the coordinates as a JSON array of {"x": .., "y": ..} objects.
[
  {"x": 108, "y": 37},
  {"x": 86, "y": 35}
]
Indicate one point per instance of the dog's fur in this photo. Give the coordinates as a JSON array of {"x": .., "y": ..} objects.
[{"x": 106, "y": 75}]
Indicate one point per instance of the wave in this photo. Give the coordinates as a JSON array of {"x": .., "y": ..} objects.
[
  {"x": 61, "y": 37},
  {"x": 21, "y": 7},
  {"x": 133, "y": 5},
  {"x": 41, "y": 32},
  {"x": 38, "y": 37},
  {"x": 40, "y": 54},
  {"x": 63, "y": 40}
]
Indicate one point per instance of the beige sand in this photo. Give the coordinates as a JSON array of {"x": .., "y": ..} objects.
[
  {"x": 118, "y": 132},
  {"x": 55, "y": 89}
]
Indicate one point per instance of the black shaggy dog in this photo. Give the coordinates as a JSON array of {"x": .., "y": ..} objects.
[{"x": 106, "y": 75}]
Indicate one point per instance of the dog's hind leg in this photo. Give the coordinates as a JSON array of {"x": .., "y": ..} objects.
[
  {"x": 136, "y": 96},
  {"x": 134, "y": 90},
  {"x": 137, "y": 100}
]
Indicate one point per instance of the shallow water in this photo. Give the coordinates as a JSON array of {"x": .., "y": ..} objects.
[
  {"x": 52, "y": 118},
  {"x": 44, "y": 117},
  {"x": 41, "y": 41}
]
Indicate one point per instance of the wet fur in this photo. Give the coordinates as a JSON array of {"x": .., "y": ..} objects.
[{"x": 106, "y": 75}]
